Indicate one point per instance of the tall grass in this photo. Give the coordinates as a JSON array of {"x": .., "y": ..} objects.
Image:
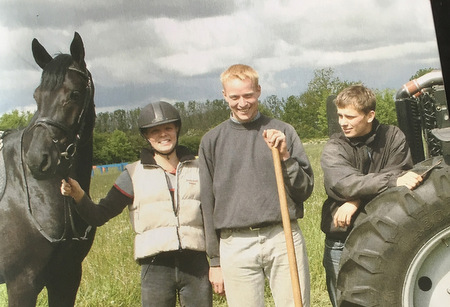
[{"x": 112, "y": 278}]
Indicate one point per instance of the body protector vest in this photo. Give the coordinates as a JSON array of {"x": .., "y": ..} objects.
[{"x": 162, "y": 224}]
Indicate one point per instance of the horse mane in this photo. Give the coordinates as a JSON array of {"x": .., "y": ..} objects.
[
  {"x": 85, "y": 150},
  {"x": 54, "y": 72},
  {"x": 86, "y": 147}
]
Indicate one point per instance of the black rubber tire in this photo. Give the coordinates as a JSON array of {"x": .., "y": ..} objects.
[{"x": 387, "y": 236}]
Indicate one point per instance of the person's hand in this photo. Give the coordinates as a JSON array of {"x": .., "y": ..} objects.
[
  {"x": 344, "y": 213},
  {"x": 411, "y": 180},
  {"x": 216, "y": 279},
  {"x": 277, "y": 139},
  {"x": 72, "y": 189}
]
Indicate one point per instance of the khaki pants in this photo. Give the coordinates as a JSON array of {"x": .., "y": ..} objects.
[{"x": 248, "y": 256}]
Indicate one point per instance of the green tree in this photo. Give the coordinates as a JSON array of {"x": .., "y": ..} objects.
[
  {"x": 100, "y": 155},
  {"x": 103, "y": 122},
  {"x": 307, "y": 112},
  {"x": 421, "y": 72},
  {"x": 15, "y": 120},
  {"x": 385, "y": 111},
  {"x": 121, "y": 121},
  {"x": 275, "y": 105},
  {"x": 132, "y": 118},
  {"x": 292, "y": 113},
  {"x": 137, "y": 142},
  {"x": 216, "y": 111},
  {"x": 118, "y": 148},
  {"x": 191, "y": 141},
  {"x": 197, "y": 118}
]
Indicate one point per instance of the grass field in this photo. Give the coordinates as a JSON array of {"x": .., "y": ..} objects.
[{"x": 111, "y": 277}]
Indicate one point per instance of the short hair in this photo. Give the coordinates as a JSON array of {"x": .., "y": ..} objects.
[
  {"x": 240, "y": 71},
  {"x": 359, "y": 96}
]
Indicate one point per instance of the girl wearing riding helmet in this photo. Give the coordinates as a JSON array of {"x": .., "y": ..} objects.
[{"x": 162, "y": 192}]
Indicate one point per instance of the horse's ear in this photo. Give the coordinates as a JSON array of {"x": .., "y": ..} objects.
[
  {"x": 40, "y": 55},
  {"x": 77, "y": 50}
]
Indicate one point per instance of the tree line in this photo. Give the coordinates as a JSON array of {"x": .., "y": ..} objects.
[{"x": 117, "y": 138}]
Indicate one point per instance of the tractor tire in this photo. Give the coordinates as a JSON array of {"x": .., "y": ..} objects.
[{"x": 398, "y": 253}]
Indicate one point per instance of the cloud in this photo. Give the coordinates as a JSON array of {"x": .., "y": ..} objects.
[{"x": 139, "y": 51}]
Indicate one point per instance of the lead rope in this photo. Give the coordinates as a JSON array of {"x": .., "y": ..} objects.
[{"x": 76, "y": 236}]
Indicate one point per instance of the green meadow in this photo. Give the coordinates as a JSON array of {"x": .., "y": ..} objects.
[{"x": 112, "y": 278}]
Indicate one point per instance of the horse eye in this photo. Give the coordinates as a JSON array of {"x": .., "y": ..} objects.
[{"x": 75, "y": 95}]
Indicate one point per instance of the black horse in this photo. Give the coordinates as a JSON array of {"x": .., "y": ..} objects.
[{"x": 43, "y": 241}]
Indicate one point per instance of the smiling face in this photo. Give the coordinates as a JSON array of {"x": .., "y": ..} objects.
[
  {"x": 163, "y": 138},
  {"x": 242, "y": 97},
  {"x": 355, "y": 123}
]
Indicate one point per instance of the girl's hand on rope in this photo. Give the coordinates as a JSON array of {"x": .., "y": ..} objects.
[{"x": 72, "y": 188}]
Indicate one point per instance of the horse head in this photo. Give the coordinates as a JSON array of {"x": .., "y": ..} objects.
[{"x": 65, "y": 108}]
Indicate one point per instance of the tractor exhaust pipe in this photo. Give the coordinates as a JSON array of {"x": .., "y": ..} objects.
[{"x": 414, "y": 87}]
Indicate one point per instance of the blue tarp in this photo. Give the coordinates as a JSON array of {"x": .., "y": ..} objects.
[{"x": 104, "y": 168}]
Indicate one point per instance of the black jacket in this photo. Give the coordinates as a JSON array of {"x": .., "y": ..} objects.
[{"x": 361, "y": 168}]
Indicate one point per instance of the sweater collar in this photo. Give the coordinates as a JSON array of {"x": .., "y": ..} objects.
[{"x": 234, "y": 120}]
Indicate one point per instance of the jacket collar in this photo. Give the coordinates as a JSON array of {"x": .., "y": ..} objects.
[{"x": 363, "y": 140}]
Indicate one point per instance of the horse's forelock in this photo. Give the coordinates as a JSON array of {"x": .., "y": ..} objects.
[{"x": 54, "y": 72}]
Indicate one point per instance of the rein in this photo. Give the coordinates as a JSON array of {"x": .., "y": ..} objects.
[{"x": 68, "y": 154}]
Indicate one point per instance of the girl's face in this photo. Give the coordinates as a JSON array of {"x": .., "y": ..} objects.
[{"x": 163, "y": 138}]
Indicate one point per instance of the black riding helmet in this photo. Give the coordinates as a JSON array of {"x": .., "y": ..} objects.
[{"x": 158, "y": 113}]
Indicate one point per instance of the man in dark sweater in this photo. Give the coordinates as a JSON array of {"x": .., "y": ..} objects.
[
  {"x": 358, "y": 163},
  {"x": 244, "y": 234}
]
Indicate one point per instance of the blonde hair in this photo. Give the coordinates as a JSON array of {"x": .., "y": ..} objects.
[
  {"x": 358, "y": 96},
  {"x": 240, "y": 71}
]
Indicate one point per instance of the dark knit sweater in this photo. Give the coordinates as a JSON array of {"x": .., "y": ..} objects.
[{"x": 238, "y": 184}]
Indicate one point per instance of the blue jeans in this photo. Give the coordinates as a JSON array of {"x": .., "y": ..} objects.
[
  {"x": 248, "y": 257},
  {"x": 331, "y": 257},
  {"x": 178, "y": 273}
]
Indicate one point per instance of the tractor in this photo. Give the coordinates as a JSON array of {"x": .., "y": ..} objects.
[{"x": 398, "y": 253}]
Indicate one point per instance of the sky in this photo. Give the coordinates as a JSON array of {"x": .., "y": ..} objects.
[{"x": 175, "y": 50}]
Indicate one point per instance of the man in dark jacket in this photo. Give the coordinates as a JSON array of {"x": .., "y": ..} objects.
[{"x": 358, "y": 163}]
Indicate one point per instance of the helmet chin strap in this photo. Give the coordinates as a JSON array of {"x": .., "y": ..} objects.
[{"x": 165, "y": 154}]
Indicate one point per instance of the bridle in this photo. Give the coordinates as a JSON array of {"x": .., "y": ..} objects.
[
  {"x": 68, "y": 154},
  {"x": 46, "y": 122}
]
